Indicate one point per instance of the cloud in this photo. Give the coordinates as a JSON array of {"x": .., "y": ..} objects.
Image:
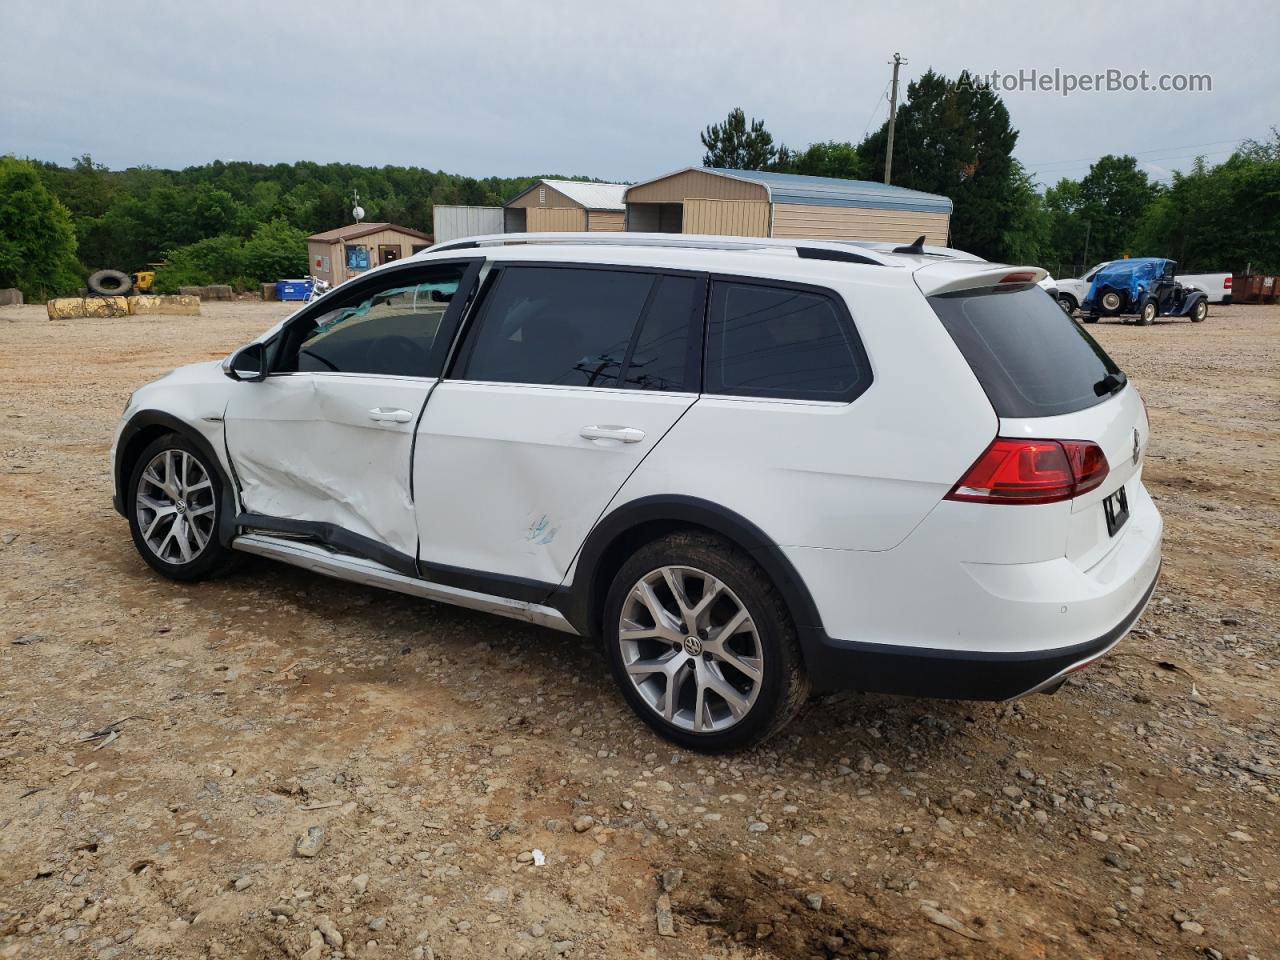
[{"x": 617, "y": 89}]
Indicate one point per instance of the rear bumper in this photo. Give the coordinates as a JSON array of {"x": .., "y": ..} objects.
[{"x": 952, "y": 674}]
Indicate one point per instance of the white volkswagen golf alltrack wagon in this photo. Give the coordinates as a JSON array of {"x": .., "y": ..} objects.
[{"x": 752, "y": 468}]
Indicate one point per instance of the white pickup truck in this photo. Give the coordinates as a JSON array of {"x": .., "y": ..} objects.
[{"x": 1217, "y": 286}]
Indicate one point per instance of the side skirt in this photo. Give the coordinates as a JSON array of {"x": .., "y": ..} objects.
[{"x": 316, "y": 558}]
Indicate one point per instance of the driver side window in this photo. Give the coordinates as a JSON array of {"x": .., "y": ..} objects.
[{"x": 387, "y": 330}]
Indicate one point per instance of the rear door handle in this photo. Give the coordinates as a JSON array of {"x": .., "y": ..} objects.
[
  {"x": 387, "y": 414},
  {"x": 610, "y": 432}
]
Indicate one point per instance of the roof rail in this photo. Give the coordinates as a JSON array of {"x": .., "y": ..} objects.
[{"x": 808, "y": 249}]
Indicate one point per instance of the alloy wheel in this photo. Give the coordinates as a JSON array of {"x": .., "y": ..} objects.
[
  {"x": 175, "y": 506},
  {"x": 691, "y": 649}
]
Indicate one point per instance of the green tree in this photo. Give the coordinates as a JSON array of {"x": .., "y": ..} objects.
[
  {"x": 37, "y": 237},
  {"x": 827, "y": 159},
  {"x": 1113, "y": 195},
  {"x": 1220, "y": 217},
  {"x": 955, "y": 139},
  {"x": 735, "y": 145}
]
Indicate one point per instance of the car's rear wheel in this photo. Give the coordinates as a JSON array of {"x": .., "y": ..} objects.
[
  {"x": 702, "y": 645},
  {"x": 1110, "y": 301},
  {"x": 1148, "y": 314},
  {"x": 174, "y": 497},
  {"x": 1200, "y": 311}
]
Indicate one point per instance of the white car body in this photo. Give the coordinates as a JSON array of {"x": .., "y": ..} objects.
[
  {"x": 505, "y": 496},
  {"x": 1216, "y": 285}
]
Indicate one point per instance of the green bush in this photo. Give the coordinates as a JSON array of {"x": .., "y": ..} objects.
[
  {"x": 275, "y": 251},
  {"x": 212, "y": 260}
]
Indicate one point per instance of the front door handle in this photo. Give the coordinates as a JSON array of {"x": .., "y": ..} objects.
[
  {"x": 387, "y": 414},
  {"x": 610, "y": 432}
]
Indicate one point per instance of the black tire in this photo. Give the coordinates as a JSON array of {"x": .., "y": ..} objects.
[
  {"x": 110, "y": 283},
  {"x": 1200, "y": 312},
  {"x": 1091, "y": 318},
  {"x": 210, "y": 560},
  {"x": 783, "y": 686},
  {"x": 1147, "y": 316},
  {"x": 1068, "y": 303}
]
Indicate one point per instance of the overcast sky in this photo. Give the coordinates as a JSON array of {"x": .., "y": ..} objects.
[{"x": 606, "y": 89}]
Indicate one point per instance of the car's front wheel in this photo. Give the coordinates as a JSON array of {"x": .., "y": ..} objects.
[
  {"x": 1067, "y": 303},
  {"x": 174, "y": 496},
  {"x": 1200, "y": 311},
  {"x": 702, "y": 645},
  {"x": 1148, "y": 314}
]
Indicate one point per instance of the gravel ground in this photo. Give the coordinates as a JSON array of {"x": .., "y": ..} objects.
[{"x": 288, "y": 766}]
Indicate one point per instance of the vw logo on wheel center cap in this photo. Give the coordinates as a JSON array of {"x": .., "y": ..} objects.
[
  {"x": 180, "y": 506},
  {"x": 692, "y": 646}
]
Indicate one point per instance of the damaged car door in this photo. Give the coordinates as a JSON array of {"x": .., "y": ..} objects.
[
  {"x": 565, "y": 380},
  {"x": 322, "y": 446}
]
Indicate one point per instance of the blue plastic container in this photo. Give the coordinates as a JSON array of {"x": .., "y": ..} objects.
[{"x": 293, "y": 289}]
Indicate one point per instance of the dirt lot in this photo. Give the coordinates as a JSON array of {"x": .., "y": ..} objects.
[{"x": 1134, "y": 814}]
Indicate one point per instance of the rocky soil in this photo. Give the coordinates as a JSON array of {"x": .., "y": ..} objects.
[{"x": 279, "y": 765}]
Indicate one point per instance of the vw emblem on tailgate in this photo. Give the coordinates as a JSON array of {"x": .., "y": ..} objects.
[{"x": 1137, "y": 447}]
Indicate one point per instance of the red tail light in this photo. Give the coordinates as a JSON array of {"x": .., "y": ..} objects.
[
  {"x": 1227, "y": 283},
  {"x": 1032, "y": 471}
]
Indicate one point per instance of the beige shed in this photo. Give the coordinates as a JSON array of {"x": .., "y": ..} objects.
[
  {"x": 340, "y": 254},
  {"x": 758, "y": 203},
  {"x": 566, "y": 205}
]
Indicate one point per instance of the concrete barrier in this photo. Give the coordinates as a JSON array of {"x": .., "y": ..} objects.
[
  {"x": 215, "y": 291},
  {"x": 70, "y": 308},
  {"x": 12, "y": 297},
  {"x": 169, "y": 304},
  {"x": 75, "y": 308}
]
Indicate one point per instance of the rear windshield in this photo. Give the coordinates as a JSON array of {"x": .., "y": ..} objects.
[{"x": 1030, "y": 357}]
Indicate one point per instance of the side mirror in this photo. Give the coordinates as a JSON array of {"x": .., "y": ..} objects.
[{"x": 248, "y": 364}]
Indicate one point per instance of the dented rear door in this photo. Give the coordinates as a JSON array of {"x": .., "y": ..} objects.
[{"x": 511, "y": 475}]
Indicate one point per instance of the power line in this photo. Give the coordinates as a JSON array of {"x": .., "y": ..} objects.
[
  {"x": 1139, "y": 153},
  {"x": 880, "y": 99}
]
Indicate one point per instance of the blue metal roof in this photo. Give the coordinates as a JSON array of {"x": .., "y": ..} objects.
[{"x": 833, "y": 192}]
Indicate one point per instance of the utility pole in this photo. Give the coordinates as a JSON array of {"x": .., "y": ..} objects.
[
  {"x": 893, "y": 115},
  {"x": 1088, "y": 229}
]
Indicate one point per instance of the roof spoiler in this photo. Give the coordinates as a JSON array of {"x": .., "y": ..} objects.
[{"x": 957, "y": 276}]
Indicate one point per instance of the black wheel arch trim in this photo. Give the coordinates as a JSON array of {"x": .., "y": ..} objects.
[
  {"x": 144, "y": 420},
  {"x": 582, "y": 602}
]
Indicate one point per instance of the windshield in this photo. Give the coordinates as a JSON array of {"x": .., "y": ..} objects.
[{"x": 1030, "y": 357}]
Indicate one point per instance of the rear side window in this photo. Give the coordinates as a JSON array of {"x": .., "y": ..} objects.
[
  {"x": 661, "y": 359},
  {"x": 557, "y": 325},
  {"x": 1030, "y": 357},
  {"x": 782, "y": 342}
]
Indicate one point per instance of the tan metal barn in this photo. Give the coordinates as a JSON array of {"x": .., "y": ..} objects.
[
  {"x": 340, "y": 254},
  {"x": 757, "y": 203},
  {"x": 560, "y": 205}
]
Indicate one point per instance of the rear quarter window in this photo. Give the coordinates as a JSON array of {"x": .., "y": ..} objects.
[
  {"x": 1030, "y": 357},
  {"x": 782, "y": 342}
]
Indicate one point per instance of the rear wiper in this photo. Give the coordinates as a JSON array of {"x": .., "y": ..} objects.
[{"x": 1111, "y": 383}]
